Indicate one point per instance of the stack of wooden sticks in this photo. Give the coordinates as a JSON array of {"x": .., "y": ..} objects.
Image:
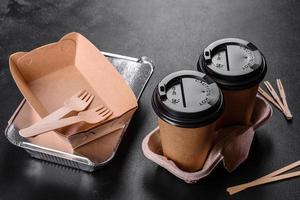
[{"x": 279, "y": 102}]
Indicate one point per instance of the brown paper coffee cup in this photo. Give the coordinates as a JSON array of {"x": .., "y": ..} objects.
[
  {"x": 239, "y": 107},
  {"x": 187, "y": 147},
  {"x": 237, "y": 66},
  {"x": 188, "y": 104}
]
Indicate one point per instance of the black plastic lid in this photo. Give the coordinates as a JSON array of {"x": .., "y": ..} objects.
[
  {"x": 188, "y": 99},
  {"x": 233, "y": 63}
]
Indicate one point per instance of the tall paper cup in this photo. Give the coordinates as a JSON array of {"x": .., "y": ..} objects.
[{"x": 237, "y": 66}]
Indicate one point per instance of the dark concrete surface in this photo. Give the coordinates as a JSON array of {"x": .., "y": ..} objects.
[{"x": 172, "y": 33}]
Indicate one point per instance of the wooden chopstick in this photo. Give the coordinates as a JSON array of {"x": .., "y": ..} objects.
[
  {"x": 274, "y": 176},
  {"x": 283, "y": 98},
  {"x": 269, "y": 98}
]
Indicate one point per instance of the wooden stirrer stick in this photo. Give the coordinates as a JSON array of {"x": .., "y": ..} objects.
[
  {"x": 283, "y": 97},
  {"x": 259, "y": 181},
  {"x": 275, "y": 96},
  {"x": 236, "y": 189},
  {"x": 269, "y": 98}
]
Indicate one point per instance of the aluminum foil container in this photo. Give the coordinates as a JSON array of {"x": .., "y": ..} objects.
[{"x": 136, "y": 71}]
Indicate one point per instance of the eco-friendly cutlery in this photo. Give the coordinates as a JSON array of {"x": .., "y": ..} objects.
[
  {"x": 91, "y": 116},
  {"x": 78, "y": 102}
]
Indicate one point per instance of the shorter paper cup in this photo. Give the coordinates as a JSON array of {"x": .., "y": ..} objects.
[{"x": 187, "y": 147}]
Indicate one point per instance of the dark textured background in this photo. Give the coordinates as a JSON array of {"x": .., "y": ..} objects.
[{"x": 172, "y": 33}]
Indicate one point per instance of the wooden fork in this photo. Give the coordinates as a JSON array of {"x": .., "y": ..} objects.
[
  {"x": 91, "y": 116},
  {"x": 78, "y": 102}
]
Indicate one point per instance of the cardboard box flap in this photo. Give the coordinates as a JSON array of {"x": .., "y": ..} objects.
[
  {"x": 21, "y": 83},
  {"x": 114, "y": 89}
]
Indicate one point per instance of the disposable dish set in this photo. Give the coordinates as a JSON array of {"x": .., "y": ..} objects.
[{"x": 79, "y": 101}]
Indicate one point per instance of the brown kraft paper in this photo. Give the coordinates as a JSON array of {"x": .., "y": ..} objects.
[
  {"x": 239, "y": 105},
  {"x": 187, "y": 147}
]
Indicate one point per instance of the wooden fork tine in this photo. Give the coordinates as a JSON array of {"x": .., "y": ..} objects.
[
  {"x": 102, "y": 110},
  {"x": 106, "y": 113},
  {"x": 78, "y": 94},
  {"x": 91, "y": 97},
  {"x": 98, "y": 108},
  {"x": 86, "y": 97},
  {"x": 83, "y": 95}
]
